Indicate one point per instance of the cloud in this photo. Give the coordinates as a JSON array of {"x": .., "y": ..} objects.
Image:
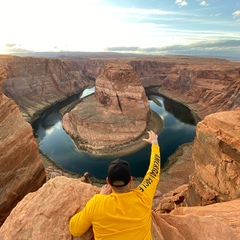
[
  {"x": 215, "y": 15},
  {"x": 181, "y": 3},
  {"x": 221, "y": 48},
  {"x": 206, "y": 46},
  {"x": 236, "y": 14},
  {"x": 16, "y": 48},
  {"x": 203, "y": 3},
  {"x": 218, "y": 44},
  {"x": 122, "y": 49},
  {"x": 10, "y": 45},
  {"x": 19, "y": 50}
]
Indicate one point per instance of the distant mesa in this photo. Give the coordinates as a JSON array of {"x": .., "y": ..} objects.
[{"x": 117, "y": 114}]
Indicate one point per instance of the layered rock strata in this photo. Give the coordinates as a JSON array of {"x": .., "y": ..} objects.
[
  {"x": 37, "y": 83},
  {"x": 206, "y": 85},
  {"x": 21, "y": 170},
  {"x": 217, "y": 160},
  {"x": 216, "y": 221},
  {"x": 117, "y": 114},
  {"x": 206, "y": 88}
]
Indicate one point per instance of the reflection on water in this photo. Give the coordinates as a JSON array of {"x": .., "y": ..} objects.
[
  {"x": 178, "y": 128},
  {"x": 179, "y": 111}
]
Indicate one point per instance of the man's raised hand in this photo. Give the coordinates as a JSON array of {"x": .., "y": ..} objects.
[{"x": 152, "y": 138}]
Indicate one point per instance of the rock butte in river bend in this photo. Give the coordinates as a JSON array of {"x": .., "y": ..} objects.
[
  {"x": 215, "y": 154},
  {"x": 116, "y": 114}
]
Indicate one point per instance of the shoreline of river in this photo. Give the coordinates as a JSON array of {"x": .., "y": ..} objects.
[
  {"x": 158, "y": 90},
  {"x": 175, "y": 173},
  {"x": 128, "y": 148}
]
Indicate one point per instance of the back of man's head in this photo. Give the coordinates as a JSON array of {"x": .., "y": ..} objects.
[{"x": 119, "y": 174}]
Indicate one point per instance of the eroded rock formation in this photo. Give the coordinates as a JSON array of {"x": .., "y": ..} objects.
[
  {"x": 217, "y": 160},
  {"x": 206, "y": 85},
  {"x": 45, "y": 214},
  {"x": 21, "y": 170},
  {"x": 37, "y": 83},
  {"x": 216, "y": 156},
  {"x": 216, "y": 221},
  {"x": 117, "y": 114}
]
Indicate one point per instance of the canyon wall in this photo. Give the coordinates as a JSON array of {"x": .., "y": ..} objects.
[
  {"x": 206, "y": 85},
  {"x": 217, "y": 160},
  {"x": 37, "y": 83},
  {"x": 206, "y": 88},
  {"x": 21, "y": 170}
]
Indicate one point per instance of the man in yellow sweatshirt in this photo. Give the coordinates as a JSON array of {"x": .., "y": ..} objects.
[{"x": 118, "y": 212}]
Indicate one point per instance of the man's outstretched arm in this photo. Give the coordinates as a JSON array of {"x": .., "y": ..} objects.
[{"x": 152, "y": 176}]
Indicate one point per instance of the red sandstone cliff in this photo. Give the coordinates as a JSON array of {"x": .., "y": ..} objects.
[
  {"x": 21, "y": 169},
  {"x": 37, "y": 83},
  {"x": 217, "y": 160},
  {"x": 216, "y": 156},
  {"x": 206, "y": 85}
]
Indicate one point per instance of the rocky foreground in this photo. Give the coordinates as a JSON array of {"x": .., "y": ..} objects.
[
  {"x": 216, "y": 158},
  {"x": 206, "y": 85},
  {"x": 45, "y": 214}
]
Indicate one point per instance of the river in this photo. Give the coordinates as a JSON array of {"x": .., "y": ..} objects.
[{"x": 178, "y": 128}]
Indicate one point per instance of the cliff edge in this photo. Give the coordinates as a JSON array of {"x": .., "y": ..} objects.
[
  {"x": 216, "y": 158},
  {"x": 21, "y": 169},
  {"x": 45, "y": 214}
]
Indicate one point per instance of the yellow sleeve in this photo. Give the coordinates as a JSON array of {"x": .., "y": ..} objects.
[
  {"x": 81, "y": 221},
  {"x": 150, "y": 181}
]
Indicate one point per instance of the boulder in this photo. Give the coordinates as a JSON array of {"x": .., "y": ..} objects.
[
  {"x": 45, "y": 214},
  {"x": 216, "y": 221}
]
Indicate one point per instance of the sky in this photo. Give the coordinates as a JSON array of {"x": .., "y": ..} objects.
[{"x": 167, "y": 27}]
